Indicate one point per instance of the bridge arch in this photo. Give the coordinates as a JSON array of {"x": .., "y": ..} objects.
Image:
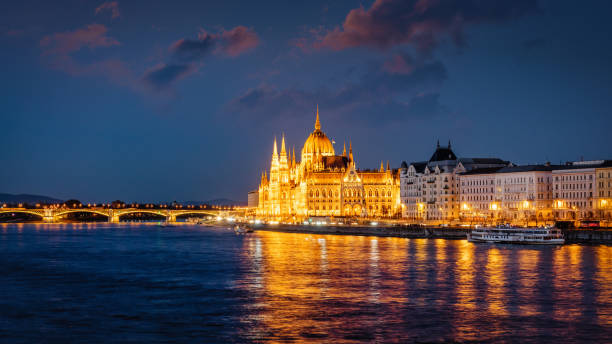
[
  {"x": 23, "y": 211},
  {"x": 71, "y": 211},
  {"x": 162, "y": 213},
  {"x": 194, "y": 212}
]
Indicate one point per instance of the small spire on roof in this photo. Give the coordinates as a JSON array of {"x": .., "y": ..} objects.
[{"x": 317, "y": 123}]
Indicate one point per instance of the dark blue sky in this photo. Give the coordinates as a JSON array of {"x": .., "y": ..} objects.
[{"x": 160, "y": 101}]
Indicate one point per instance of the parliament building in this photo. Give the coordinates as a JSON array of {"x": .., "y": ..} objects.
[{"x": 325, "y": 184}]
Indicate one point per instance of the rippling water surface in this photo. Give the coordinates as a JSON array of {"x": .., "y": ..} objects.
[{"x": 118, "y": 283}]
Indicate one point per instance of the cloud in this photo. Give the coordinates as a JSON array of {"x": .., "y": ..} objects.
[
  {"x": 378, "y": 96},
  {"x": 63, "y": 43},
  {"x": 238, "y": 40},
  {"x": 421, "y": 23},
  {"x": 192, "y": 50},
  {"x": 109, "y": 6},
  {"x": 231, "y": 43},
  {"x": 164, "y": 75},
  {"x": 58, "y": 50},
  {"x": 187, "y": 55}
]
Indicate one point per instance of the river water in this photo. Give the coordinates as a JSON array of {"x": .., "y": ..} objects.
[{"x": 143, "y": 283}]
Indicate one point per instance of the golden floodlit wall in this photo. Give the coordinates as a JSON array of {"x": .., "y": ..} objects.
[{"x": 325, "y": 184}]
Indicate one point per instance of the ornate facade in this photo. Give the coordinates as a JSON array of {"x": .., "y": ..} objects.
[{"x": 325, "y": 184}]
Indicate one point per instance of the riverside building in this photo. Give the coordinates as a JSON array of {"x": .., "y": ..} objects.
[
  {"x": 429, "y": 190},
  {"x": 325, "y": 184},
  {"x": 507, "y": 194},
  {"x": 603, "y": 177},
  {"x": 576, "y": 190}
]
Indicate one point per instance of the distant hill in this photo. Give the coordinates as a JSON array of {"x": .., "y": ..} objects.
[{"x": 25, "y": 198}]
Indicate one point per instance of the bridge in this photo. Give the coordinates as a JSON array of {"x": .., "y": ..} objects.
[{"x": 114, "y": 215}]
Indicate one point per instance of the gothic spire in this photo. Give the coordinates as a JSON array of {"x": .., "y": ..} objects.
[
  {"x": 388, "y": 169},
  {"x": 317, "y": 123},
  {"x": 344, "y": 149},
  {"x": 283, "y": 151},
  {"x": 275, "y": 153},
  {"x": 382, "y": 168}
]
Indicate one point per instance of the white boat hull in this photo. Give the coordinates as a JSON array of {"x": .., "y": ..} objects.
[
  {"x": 513, "y": 235},
  {"x": 518, "y": 241}
]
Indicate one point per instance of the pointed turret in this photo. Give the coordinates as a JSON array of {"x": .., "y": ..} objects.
[
  {"x": 284, "y": 163},
  {"x": 382, "y": 168},
  {"x": 344, "y": 149},
  {"x": 388, "y": 168},
  {"x": 351, "y": 151},
  {"x": 293, "y": 158},
  {"x": 317, "y": 123},
  {"x": 283, "y": 151},
  {"x": 275, "y": 152}
]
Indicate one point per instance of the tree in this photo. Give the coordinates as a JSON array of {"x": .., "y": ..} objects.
[
  {"x": 73, "y": 203},
  {"x": 117, "y": 204}
]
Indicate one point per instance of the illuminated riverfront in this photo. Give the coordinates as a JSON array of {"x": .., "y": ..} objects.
[
  {"x": 210, "y": 285},
  {"x": 404, "y": 171}
]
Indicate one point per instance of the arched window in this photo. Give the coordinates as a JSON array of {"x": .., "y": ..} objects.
[
  {"x": 323, "y": 193},
  {"x": 317, "y": 193}
]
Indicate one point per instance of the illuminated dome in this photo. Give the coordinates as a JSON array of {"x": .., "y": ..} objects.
[{"x": 317, "y": 142}]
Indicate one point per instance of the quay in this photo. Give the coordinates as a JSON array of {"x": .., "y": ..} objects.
[{"x": 590, "y": 236}]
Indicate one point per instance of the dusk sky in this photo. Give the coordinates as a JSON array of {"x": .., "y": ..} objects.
[{"x": 180, "y": 100}]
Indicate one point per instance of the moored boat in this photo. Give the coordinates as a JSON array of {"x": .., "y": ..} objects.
[{"x": 517, "y": 235}]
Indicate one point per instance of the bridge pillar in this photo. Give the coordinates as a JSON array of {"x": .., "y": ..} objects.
[
  {"x": 112, "y": 217},
  {"x": 48, "y": 216},
  {"x": 170, "y": 217}
]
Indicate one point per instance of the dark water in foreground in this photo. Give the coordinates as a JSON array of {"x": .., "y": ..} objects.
[{"x": 142, "y": 283}]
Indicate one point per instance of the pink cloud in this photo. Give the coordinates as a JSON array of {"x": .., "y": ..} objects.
[
  {"x": 388, "y": 23},
  {"x": 58, "y": 48},
  {"x": 63, "y": 43},
  {"x": 110, "y": 6},
  {"x": 238, "y": 40}
]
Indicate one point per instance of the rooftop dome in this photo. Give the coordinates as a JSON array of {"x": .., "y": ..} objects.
[{"x": 317, "y": 142}]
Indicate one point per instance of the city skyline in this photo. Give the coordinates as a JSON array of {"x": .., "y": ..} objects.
[{"x": 113, "y": 100}]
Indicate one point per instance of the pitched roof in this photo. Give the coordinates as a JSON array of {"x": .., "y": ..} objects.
[
  {"x": 443, "y": 153},
  {"x": 528, "y": 168},
  {"x": 419, "y": 166},
  {"x": 483, "y": 170}
]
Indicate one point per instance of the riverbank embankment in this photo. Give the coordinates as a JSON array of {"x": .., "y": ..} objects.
[{"x": 594, "y": 236}]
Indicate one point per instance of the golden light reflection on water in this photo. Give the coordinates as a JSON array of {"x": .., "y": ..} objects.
[
  {"x": 496, "y": 281},
  {"x": 567, "y": 284},
  {"x": 528, "y": 261},
  {"x": 324, "y": 287},
  {"x": 330, "y": 288},
  {"x": 603, "y": 277}
]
